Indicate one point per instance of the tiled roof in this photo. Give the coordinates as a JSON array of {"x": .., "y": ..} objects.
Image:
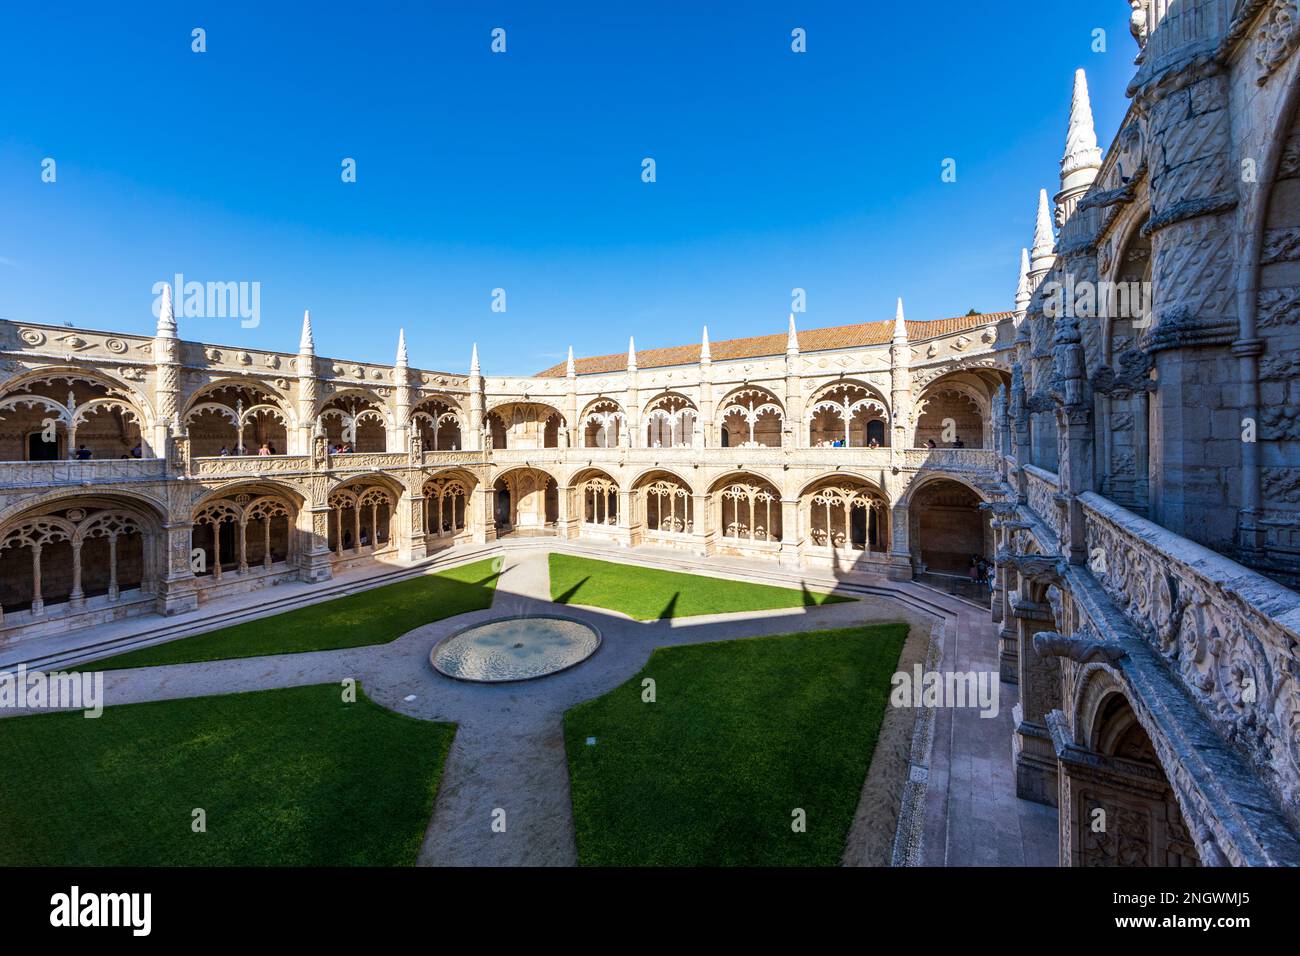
[{"x": 810, "y": 340}]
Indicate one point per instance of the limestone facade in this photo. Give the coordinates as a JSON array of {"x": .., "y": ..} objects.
[
  {"x": 229, "y": 469},
  {"x": 1150, "y": 546}
]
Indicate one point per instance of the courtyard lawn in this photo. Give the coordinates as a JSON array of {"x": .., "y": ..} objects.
[
  {"x": 371, "y": 617},
  {"x": 740, "y": 735},
  {"x": 289, "y": 777},
  {"x": 649, "y": 594}
]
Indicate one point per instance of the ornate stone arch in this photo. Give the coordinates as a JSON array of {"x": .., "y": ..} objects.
[
  {"x": 755, "y": 413},
  {"x": 525, "y": 423},
  {"x": 665, "y": 501},
  {"x": 448, "y": 498},
  {"x": 247, "y": 412},
  {"x": 597, "y": 494},
  {"x": 526, "y": 497},
  {"x": 603, "y": 423},
  {"x": 45, "y": 402},
  {"x": 834, "y": 408},
  {"x": 670, "y": 420},
  {"x": 440, "y": 423},
  {"x": 1151, "y": 818},
  {"x": 845, "y": 511},
  {"x": 747, "y": 508},
  {"x": 245, "y": 523}
]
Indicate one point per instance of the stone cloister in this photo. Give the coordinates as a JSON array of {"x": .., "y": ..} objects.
[
  {"x": 1134, "y": 476},
  {"x": 244, "y": 469}
]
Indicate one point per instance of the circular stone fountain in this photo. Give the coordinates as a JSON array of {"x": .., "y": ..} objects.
[{"x": 515, "y": 648}]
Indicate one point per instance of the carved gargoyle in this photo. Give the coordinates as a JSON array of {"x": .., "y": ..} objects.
[
  {"x": 1079, "y": 650},
  {"x": 1134, "y": 375},
  {"x": 1034, "y": 567},
  {"x": 1000, "y": 509},
  {"x": 1041, "y": 401}
]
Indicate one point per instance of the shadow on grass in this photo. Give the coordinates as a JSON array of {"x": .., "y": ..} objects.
[
  {"x": 567, "y": 596},
  {"x": 670, "y": 609},
  {"x": 375, "y": 616}
]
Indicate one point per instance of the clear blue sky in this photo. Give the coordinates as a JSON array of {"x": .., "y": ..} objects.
[{"x": 523, "y": 170}]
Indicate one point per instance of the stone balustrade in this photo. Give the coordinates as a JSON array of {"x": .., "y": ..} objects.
[
  {"x": 1043, "y": 489},
  {"x": 1230, "y": 635},
  {"x": 869, "y": 460},
  {"x": 38, "y": 474}
]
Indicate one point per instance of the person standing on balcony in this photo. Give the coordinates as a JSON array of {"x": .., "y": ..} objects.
[{"x": 83, "y": 453}]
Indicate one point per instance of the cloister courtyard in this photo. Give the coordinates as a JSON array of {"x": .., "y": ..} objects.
[{"x": 768, "y": 704}]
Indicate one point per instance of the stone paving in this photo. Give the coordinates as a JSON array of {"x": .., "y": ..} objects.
[{"x": 508, "y": 753}]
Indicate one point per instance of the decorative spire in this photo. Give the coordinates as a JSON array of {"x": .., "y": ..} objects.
[
  {"x": 705, "y": 354},
  {"x": 1044, "y": 240},
  {"x": 306, "y": 344},
  {"x": 900, "y": 324},
  {"x": 166, "y": 317},
  {"x": 1022, "y": 287},
  {"x": 631, "y": 354},
  {"x": 401, "y": 349},
  {"x": 473, "y": 361},
  {"x": 1081, "y": 150},
  {"x": 1042, "y": 254},
  {"x": 792, "y": 337}
]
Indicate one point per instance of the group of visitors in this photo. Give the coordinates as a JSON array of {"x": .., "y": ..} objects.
[
  {"x": 266, "y": 448},
  {"x": 931, "y": 443}
]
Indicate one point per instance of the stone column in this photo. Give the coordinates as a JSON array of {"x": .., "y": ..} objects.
[
  {"x": 1040, "y": 693},
  {"x": 628, "y": 520},
  {"x": 176, "y": 589},
  {"x": 312, "y": 550},
  {"x": 900, "y": 550},
  {"x": 791, "y": 533},
  {"x": 702, "y": 530},
  {"x": 410, "y": 526},
  {"x": 566, "y": 518},
  {"x": 485, "y": 528}
]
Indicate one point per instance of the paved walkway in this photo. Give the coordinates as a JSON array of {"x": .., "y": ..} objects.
[{"x": 508, "y": 753}]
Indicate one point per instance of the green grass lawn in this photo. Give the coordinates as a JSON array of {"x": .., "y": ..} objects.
[
  {"x": 740, "y": 735},
  {"x": 649, "y": 594},
  {"x": 288, "y": 777},
  {"x": 371, "y": 617}
]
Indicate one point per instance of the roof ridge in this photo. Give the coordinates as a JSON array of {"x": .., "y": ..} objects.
[{"x": 819, "y": 339}]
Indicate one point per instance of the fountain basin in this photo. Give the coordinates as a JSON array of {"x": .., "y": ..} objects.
[{"x": 515, "y": 649}]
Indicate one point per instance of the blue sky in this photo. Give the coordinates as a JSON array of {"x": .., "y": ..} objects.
[{"x": 522, "y": 170}]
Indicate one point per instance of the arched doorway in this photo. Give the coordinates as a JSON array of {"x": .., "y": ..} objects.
[
  {"x": 1121, "y": 809},
  {"x": 527, "y": 502},
  {"x": 951, "y": 541}
]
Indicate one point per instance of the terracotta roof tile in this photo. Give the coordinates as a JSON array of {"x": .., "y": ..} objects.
[{"x": 810, "y": 340}]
